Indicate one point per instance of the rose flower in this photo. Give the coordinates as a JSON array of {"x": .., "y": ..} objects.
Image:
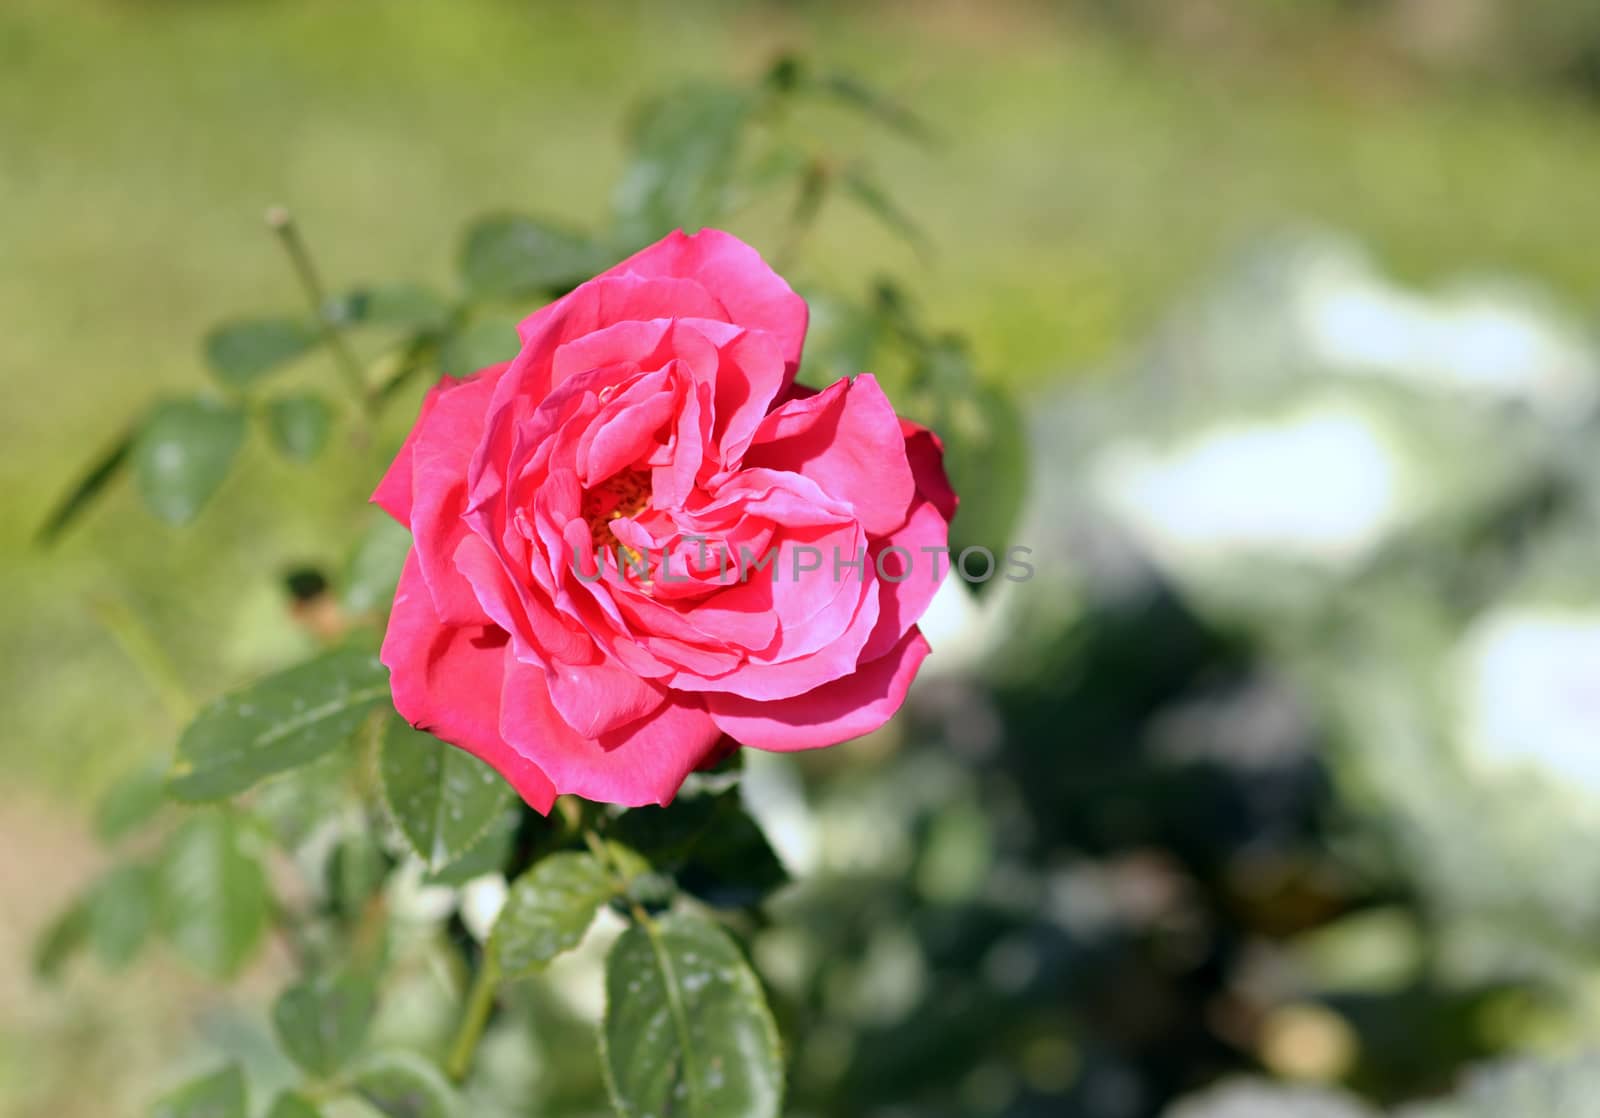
[{"x": 641, "y": 540}]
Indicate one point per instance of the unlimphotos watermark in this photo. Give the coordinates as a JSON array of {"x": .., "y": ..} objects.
[{"x": 890, "y": 563}]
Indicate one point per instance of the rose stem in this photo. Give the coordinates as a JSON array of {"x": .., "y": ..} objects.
[
  {"x": 480, "y": 1002},
  {"x": 146, "y": 653},
  {"x": 281, "y": 223}
]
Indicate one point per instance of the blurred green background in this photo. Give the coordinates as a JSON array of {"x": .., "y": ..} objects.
[{"x": 1096, "y": 164}]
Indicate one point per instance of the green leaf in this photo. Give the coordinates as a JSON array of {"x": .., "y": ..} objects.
[
  {"x": 299, "y": 425},
  {"x": 290, "y": 1105},
  {"x": 687, "y": 1031},
  {"x": 710, "y": 844},
  {"x": 508, "y": 256},
  {"x": 403, "y": 1085},
  {"x": 219, "y": 1095},
  {"x": 489, "y": 854},
  {"x": 120, "y": 910},
  {"x": 323, "y": 1022},
  {"x": 284, "y": 721},
  {"x": 240, "y": 353},
  {"x": 373, "y": 570},
  {"x": 100, "y": 474},
  {"x": 182, "y": 453},
  {"x": 214, "y": 902},
  {"x": 61, "y": 939},
  {"x": 442, "y": 798},
  {"x": 484, "y": 342},
  {"x": 548, "y": 910},
  {"x": 408, "y": 305},
  {"x": 685, "y": 146},
  {"x": 131, "y": 802}
]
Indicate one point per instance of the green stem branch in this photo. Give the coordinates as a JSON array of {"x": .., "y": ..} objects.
[
  {"x": 474, "y": 1018},
  {"x": 344, "y": 359},
  {"x": 146, "y": 653}
]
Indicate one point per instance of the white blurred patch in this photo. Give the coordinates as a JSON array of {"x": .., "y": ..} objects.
[
  {"x": 1323, "y": 485},
  {"x": 1501, "y": 342},
  {"x": 775, "y": 797},
  {"x": 482, "y": 898},
  {"x": 1531, "y": 687},
  {"x": 411, "y": 901},
  {"x": 958, "y": 628},
  {"x": 578, "y": 977}
]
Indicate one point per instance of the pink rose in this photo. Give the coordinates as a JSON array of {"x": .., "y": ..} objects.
[{"x": 641, "y": 536}]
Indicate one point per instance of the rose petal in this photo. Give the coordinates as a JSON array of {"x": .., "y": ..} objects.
[
  {"x": 907, "y": 582},
  {"x": 393, "y": 494},
  {"x": 834, "y": 712},
  {"x": 736, "y": 276},
  {"x": 643, "y": 762},
  {"x": 925, "y": 452},
  {"x": 846, "y": 439},
  {"x": 599, "y": 697},
  {"x": 439, "y": 457},
  {"x": 447, "y": 680}
]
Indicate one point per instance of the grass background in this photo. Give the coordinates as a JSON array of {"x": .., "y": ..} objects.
[{"x": 1082, "y": 180}]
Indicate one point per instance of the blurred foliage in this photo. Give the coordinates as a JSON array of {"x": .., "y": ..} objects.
[
  {"x": 373, "y": 805},
  {"x": 1277, "y": 772}
]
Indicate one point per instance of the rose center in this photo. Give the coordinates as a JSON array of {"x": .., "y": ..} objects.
[{"x": 622, "y": 494}]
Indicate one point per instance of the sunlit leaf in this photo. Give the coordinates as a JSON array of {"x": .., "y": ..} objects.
[
  {"x": 214, "y": 901},
  {"x": 281, "y": 722},
  {"x": 219, "y": 1095},
  {"x": 687, "y": 1030},
  {"x": 509, "y": 256},
  {"x": 299, "y": 425},
  {"x": 548, "y": 911},
  {"x": 240, "y": 353},
  {"x": 441, "y": 798},
  {"x": 182, "y": 453}
]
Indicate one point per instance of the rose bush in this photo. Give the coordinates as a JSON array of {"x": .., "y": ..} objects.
[{"x": 641, "y": 540}]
